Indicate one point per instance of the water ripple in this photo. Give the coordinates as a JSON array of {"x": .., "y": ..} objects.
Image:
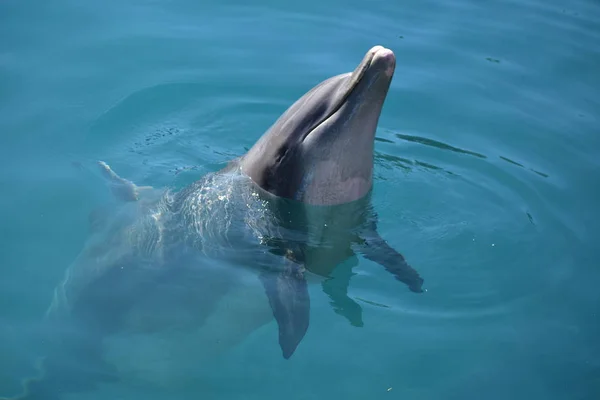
[
  {"x": 486, "y": 172},
  {"x": 486, "y": 199}
]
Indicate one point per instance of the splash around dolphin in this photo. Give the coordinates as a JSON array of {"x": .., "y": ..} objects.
[{"x": 294, "y": 207}]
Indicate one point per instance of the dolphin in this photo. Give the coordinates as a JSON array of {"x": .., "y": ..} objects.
[
  {"x": 318, "y": 158},
  {"x": 290, "y": 211}
]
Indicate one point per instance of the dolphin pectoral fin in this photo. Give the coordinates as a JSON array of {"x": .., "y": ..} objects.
[
  {"x": 287, "y": 292},
  {"x": 122, "y": 188},
  {"x": 375, "y": 248},
  {"x": 336, "y": 287}
]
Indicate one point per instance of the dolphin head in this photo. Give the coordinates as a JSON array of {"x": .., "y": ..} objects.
[{"x": 320, "y": 151}]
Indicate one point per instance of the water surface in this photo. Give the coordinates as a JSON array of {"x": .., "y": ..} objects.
[{"x": 486, "y": 178}]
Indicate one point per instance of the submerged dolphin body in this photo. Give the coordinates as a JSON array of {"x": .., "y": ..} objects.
[{"x": 296, "y": 204}]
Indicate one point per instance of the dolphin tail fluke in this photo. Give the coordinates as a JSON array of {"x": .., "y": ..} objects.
[
  {"x": 33, "y": 390},
  {"x": 59, "y": 375},
  {"x": 34, "y": 387},
  {"x": 287, "y": 291}
]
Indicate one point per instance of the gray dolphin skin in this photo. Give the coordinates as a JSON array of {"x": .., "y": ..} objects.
[{"x": 296, "y": 206}]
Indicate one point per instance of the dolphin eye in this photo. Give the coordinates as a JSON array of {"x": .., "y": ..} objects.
[{"x": 281, "y": 154}]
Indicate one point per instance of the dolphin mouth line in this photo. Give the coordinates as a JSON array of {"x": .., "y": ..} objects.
[{"x": 356, "y": 79}]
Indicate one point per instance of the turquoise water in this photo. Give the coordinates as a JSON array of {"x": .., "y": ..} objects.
[{"x": 486, "y": 179}]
